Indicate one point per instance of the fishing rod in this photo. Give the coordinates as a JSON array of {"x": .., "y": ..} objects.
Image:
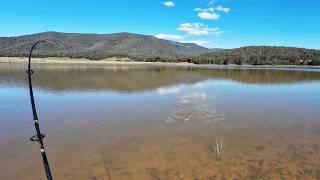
[{"x": 39, "y": 136}]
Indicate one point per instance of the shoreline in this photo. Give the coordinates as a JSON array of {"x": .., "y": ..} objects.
[{"x": 125, "y": 61}]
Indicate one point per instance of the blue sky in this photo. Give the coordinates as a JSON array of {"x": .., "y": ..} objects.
[{"x": 211, "y": 23}]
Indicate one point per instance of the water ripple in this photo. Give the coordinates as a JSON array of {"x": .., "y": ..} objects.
[{"x": 193, "y": 107}]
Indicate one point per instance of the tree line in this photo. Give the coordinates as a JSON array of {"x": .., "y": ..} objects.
[
  {"x": 252, "y": 55},
  {"x": 261, "y": 55}
]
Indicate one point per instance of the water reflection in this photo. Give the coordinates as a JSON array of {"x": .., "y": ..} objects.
[
  {"x": 142, "y": 122},
  {"x": 142, "y": 78}
]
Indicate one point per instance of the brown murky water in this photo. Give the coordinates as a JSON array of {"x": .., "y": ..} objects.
[{"x": 146, "y": 122}]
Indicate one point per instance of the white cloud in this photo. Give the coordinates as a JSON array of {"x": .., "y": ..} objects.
[
  {"x": 181, "y": 39},
  {"x": 197, "y": 42},
  {"x": 210, "y": 13},
  {"x": 198, "y": 29},
  {"x": 170, "y": 37},
  {"x": 168, "y": 4},
  {"x": 211, "y": 2},
  {"x": 223, "y": 9}
]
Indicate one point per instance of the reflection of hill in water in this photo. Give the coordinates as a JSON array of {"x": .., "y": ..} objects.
[{"x": 139, "y": 78}]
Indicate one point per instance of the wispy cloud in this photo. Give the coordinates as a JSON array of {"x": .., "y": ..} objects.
[
  {"x": 170, "y": 37},
  {"x": 197, "y": 42},
  {"x": 210, "y": 13},
  {"x": 197, "y": 32},
  {"x": 168, "y": 4},
  {"x": 223, "y": 9},
  {"x": 173, "y": 37},
  {"x": 211, "y": 2},
  {"x": 198, "y": 29}
]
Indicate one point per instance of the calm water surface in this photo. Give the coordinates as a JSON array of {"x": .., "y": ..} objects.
[{"x": 152, "y": 122}]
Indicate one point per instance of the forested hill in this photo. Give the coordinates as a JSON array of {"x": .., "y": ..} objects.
[
  {"x": 148, "y": 48},
  {"x": 100, "y": 46},
  {"x": 261, "y": 55}
]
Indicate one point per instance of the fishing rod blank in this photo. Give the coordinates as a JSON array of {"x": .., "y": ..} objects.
[{"x": 39, "y": 136}]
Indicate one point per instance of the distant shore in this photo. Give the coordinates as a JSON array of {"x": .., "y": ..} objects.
[
  {"x": 53, "y": 60},
  {"x": 126, "y": 61}
]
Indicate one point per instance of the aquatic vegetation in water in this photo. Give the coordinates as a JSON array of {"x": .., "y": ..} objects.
[{"x": 216, "y": 149}]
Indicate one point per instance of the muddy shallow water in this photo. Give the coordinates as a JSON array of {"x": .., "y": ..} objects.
[{"x": 146, "y": 122}]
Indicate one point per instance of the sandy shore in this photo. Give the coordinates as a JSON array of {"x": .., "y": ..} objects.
[
  {"x": 126, "y": 61},
  {"x": 69, "y": 61}
]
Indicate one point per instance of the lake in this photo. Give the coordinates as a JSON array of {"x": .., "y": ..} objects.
[{"x": 161, "y": 122}]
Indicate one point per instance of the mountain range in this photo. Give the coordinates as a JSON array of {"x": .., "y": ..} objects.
[
  {"x": 99, "y": 46},
  {"x": 149, "y": 48}
]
